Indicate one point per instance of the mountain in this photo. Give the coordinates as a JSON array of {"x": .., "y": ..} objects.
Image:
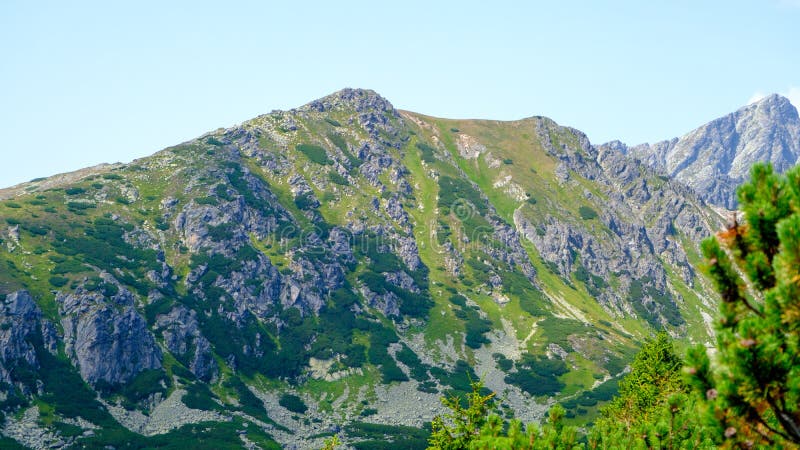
[
  {"x": 715, "y": 158},
  {"x": 336, "y": 268}
]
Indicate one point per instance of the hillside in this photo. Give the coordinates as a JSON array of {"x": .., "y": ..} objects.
[{"x": 335, "y": 269}]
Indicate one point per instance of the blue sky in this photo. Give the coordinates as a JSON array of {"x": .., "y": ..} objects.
[{"x": 88, "y": 82}]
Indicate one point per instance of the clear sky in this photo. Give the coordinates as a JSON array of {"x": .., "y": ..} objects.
[{"x": 88, "y": 82}]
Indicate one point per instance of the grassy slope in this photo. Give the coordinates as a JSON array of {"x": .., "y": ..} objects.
[{"x": 533, "y": 169}]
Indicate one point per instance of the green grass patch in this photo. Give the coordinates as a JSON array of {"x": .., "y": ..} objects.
[
  {"x": 587, "y": 213},
  {"x": 293, "y": 403},
  {"x": 315, "y": 153},
  {"x": 538, "y": 375},
  {"x": 338, "y": 179},
  {"x": 373, "y": 436}
]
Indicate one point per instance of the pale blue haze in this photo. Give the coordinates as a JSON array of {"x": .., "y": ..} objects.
[{"x": 88, "y": 82}]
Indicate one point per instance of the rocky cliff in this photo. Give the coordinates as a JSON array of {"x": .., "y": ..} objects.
[{"x": 715, "y": 158}]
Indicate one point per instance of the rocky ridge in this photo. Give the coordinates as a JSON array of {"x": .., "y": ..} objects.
[{"x": 715, "y": 158}]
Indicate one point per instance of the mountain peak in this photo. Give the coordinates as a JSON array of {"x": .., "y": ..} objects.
[
  {"x": 716, "y": 157},
  {"x": 322, "y": 245},
  {"x": 360, "y": 100},
  {"x": 771, "y": 98},
  {"x": 774, "y": 105}
]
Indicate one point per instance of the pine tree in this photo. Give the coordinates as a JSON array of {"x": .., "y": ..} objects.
[
  {"x": 476, "y": 427},
  {"x": 457, "y": 429},
  {"x": 752, "y": 383},
  {"x": 654, "y": 408},
  {"x": 655, "y": 375}
]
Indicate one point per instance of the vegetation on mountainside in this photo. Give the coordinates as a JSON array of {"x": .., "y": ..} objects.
[
  {"x": 477, "y": 426},
  {"x": 304, "y": 177},
  {"x": 746, "y": 396},
  {"x": 655, "y": 408}
]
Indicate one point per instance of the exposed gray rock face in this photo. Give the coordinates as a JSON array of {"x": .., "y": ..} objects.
[
  {"x": 258, "y": 297},
  {"x": 513, "y": 253},
  {"x": 183, "y": 338},
  {"x": 408, "y": 252},
  {"x": 646, "y": 215},
  {"x": 106, "y": 338},
  {"x": 394, "y": 209},
  {"x": 362, "y": 100},
  {"x": 300, "y": 186},
  {"x": 373, "y": 110},
  {"x": 256, "y": 284},
  {"x": 310, "y": 280},
  {"x": 195, "y": 220},
  {"x": 716, "y": 158},
  {"x": 387, "y": 303},
  {"x": 339, "y": 241},
  {"x": 402, "y": 280},
  {"x": 21, "y": 327}
]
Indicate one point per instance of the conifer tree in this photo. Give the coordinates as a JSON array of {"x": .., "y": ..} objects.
[
  {"x": 457, "y": 429},
  {"x": 752, "y": 383},
  {"x": 476, "y": 427},
  {"x": 654, "y": 407}
]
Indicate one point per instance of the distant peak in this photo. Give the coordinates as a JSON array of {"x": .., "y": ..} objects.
[
  {"x": 360, "y": 100},
  {"x": 771, "y": 99},
  {"x": 616, "y": 144},
  {"x": 774, "y": 104}
]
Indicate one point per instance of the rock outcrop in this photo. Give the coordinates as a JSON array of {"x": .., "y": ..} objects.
[
  {"x": 184, "y": 339},
  {"x": 22, "y": 330},
  {"x": 646, "y": 216},
  {"x": 106, "y": 338}
]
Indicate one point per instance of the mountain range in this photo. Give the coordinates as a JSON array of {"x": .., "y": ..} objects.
[{"x": 337, "y": 268}]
